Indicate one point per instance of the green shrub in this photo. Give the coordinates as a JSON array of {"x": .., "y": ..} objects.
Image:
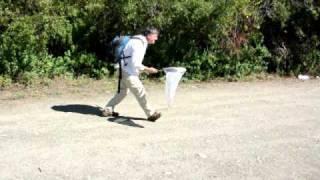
[
  {"x": 5, "y": 81},
  {"x": 310, "y": 63},
  {"x": 220, "y": 38},
  {"x": 292, "y": 35}
]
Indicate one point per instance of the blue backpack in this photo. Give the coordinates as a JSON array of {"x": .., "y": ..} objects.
[{"x": 118, "y": 44}]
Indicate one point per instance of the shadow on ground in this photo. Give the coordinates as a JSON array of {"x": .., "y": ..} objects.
[
  {"x": 95, "y": 110},
  {"x": 79, "y": 108},
  {"x": 126, "y": 120}
]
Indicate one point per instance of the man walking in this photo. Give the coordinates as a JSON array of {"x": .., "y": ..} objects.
[{"x": 131, "y": 67}]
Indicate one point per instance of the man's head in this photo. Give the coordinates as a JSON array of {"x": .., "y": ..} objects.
[{"x": 151, "y": 34}]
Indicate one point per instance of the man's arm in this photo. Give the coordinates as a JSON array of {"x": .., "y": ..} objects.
[
  {"x": 137, "y": 57},
  {"x": 138, "y": 51},
  {"x": 150, "y": 70}
]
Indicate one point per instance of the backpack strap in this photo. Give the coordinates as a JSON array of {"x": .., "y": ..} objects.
[{"x": 135, "y": 37}]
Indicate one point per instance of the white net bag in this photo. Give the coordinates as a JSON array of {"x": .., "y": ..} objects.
[{"x": 173, "y": 77}]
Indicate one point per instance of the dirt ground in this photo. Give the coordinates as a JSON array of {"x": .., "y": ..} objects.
[{"x": 220, "y": 130}]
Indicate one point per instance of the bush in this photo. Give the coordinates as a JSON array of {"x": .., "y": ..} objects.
[
  {"x": 311, "y": 63},
  {"x": 218, "y": 38},
  {"x": 5, "y": 81},
  {"x": 250, "y": 59},
  {"x": 25, "y": 44},
  {"x": 292, "y": 35}
]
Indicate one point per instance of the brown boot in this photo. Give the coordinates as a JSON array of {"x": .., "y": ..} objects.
[{"x": 154, "y": 116}]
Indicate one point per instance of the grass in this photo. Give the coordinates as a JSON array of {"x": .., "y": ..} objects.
[
  {"x": 83, "y": 85},
  {"x": 56, "y": 87}
]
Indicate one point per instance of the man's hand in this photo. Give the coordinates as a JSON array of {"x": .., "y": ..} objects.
[{"x": 151, "y": 70}]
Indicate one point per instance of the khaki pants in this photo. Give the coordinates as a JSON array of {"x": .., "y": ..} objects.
[{"x": 135, "y": 86}]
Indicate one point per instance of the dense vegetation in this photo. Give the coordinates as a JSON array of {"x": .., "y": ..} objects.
[{"x": 211, "y": 38}]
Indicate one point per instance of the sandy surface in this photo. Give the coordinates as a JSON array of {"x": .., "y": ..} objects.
[{"x": 244, "y": 130}]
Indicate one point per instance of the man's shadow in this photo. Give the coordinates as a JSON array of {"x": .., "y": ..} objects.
[{"x": 95, "y": 111}]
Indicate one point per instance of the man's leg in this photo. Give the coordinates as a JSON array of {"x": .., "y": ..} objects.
[
  {"x": 116, "y": 99},
  {"x": 137, "y": 88}
]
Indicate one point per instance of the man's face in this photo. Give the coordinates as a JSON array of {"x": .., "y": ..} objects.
[{"x": 151, "y": 38}]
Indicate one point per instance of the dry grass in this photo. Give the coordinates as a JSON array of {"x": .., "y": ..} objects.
[{"x": 82, "y": 86}]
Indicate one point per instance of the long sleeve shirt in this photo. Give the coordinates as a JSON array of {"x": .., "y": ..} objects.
[{"x": 135, "y": 51}]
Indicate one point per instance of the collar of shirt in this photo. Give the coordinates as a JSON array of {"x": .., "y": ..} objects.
[{"x": 143, "y": 38}]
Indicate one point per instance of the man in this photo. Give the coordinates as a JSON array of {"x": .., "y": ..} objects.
[{"x": 131, "y": 67}]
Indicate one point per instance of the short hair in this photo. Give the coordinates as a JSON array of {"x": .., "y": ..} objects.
[{"x": 150, "y": 30}]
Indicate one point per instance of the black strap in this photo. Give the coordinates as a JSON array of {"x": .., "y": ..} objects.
[
  {"x": 125, "y": 57},
  {"x": 120, "y": 76},
  {"x": 120, "y": 70}
]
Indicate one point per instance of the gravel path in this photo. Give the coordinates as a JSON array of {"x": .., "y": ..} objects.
[{"x": 244, "y": 130}]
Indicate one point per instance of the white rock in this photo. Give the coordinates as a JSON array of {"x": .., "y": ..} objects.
[{"x": 303, "y": 77}]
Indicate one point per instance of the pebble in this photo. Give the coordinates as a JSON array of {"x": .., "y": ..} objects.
[
  {"x": 259, "y": 159},
  {"x": 203, "y": 156}
]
